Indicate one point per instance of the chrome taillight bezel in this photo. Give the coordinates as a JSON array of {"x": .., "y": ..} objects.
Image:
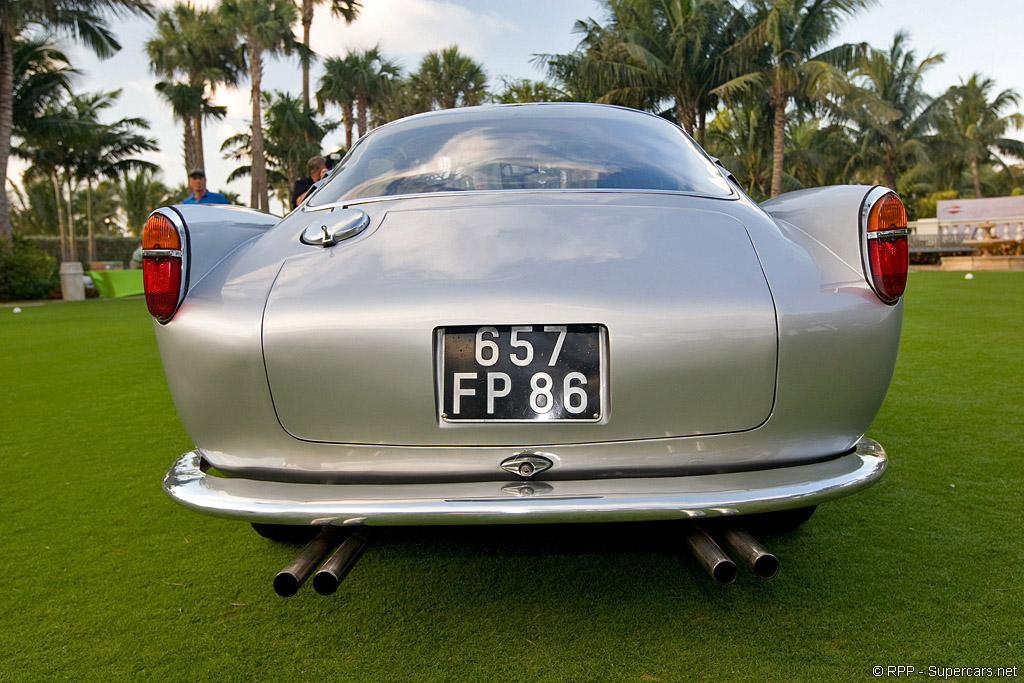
[
  {"x": 178, "y": 223},
  {"x": 871, "y": 199}
]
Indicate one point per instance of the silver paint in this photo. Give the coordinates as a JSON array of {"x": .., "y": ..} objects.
[{"x": 767, "y": 377}]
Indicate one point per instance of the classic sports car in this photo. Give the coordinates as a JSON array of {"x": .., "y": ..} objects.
[{"x": 528, "y": 313}]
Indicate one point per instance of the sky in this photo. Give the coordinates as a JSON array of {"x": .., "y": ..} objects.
[{"x": 503, "y": 35}]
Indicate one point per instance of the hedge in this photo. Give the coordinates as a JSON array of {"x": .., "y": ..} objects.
[
  {"x": 108, "y": 248},
  {"x": 27, "y": 272}
]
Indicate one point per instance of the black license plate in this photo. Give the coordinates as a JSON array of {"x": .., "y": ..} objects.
[{"x": 523, "y": 373}]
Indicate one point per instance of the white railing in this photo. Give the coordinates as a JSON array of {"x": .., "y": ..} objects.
[{"x": 1010, "y": 228}]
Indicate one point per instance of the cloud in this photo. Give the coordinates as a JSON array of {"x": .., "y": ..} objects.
[{"x": 409, "y": 28}]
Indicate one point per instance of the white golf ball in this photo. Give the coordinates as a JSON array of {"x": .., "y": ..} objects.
[
  {"x": 17, "y": 310},
  {"x": 969, "y": 276}
]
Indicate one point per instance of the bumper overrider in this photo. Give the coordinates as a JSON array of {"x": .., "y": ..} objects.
[{"x": 527, "y": 502}]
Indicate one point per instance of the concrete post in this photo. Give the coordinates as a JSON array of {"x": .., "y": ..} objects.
[{"x": 72, "y": 286}]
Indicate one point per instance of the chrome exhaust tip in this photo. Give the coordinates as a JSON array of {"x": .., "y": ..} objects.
[
  {"x": 289, "y": 579},
  {"x": 763, "y": 563},
  {"x": 338, "y": 565},
  {"x": 711, "y": 557}
]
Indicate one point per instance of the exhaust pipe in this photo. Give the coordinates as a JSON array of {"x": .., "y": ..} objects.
[
  {"x": 288, "y": 580},
  {"x": 711, "y": 557},
  {"x": 750, "y": 552},
  {"x": 338, "y": 565}
]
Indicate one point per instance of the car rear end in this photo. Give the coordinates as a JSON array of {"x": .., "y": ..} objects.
[{"x": 453, "y": 355}]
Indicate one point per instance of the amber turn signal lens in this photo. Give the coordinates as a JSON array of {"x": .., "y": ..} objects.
[
  {"x": 159, "y": 233},
  {"x": 887, "y": 214}
]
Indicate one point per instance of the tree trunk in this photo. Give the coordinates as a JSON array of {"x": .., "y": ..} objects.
[
  {"x": 977, "y": 179},
  {"x": 890, "y": 178},
  {"x": 307, "y": 22},
  {"x": 346, "y": 120},
  {"x": 189, "y": 147},
  {"x": 259, "y": 196},
  {"x": 64, "y": 254},
  {"x": 778, "y": 151},
  {"x": 683, "y": 118},
  {"x": 88, "y": 219},
  {"x": 361, "y": 107},
  {"x": 6, "y": 126},
  {"x": 72, "y": 246},
  {"x": 701, "y": 121},
  {"x": 197, "y": 141}
]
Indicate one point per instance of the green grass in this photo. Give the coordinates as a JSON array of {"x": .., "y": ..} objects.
[{"x": 103, "y": 578}]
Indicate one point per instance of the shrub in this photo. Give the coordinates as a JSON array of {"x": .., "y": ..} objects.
[
  {"x": 108, "y": 247},
  {"x": 26, "y": 272}
]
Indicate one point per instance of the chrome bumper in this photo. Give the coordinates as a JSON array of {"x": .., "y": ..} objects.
[{"x": 596, "y": 500}]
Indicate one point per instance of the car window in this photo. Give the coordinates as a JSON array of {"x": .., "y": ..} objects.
[{"x": 532, "y": 147}]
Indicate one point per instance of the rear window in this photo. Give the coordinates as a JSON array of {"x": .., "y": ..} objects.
[{"x": 524, "y": 147}]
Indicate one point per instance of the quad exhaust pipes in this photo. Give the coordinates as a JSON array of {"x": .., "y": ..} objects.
[
  {"x": 347, "y": 551},
  {"x": 718, "y": 564},
  {"x": 336, "y": 568}
]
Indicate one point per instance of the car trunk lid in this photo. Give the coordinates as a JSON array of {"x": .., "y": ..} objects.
[{"x": 352, "y": 333}]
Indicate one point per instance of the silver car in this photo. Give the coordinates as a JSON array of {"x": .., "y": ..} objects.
[{"x": 522, "y": 314}]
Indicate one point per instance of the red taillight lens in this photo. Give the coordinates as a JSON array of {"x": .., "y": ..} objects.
[
  {"x": 887, "y": 247},
  {"x": 888, "y": 257},
  {"x": 161, "y": 266}
]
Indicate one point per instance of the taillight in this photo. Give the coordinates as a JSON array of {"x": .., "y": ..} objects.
[
  {"x": 162, "y": 266},
  {"x": 886, "y": 233}
]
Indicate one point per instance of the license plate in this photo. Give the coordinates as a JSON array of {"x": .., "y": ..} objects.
[{"x": 523, "y": 373}]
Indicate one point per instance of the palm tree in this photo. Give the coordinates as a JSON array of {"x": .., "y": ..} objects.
[
  {"x": 587, "y": 74},
  {"x": 191, "y": 106},
  {"x": 739, "y": 137},
  {"x": 42, "y": 76},
  {"x": 373, "y": 79},
  {"x": 817, "y": 153},
  {"x": 49, "y": 145},
  {"x": 35, "y": 211},
  {"x": 974, "y": 124},
  {"x": 343, "y": 9},
  {"x": 401, "y": 100},
  {"x": 450, "y": 79},
  {"x": 194, "y": 46},
  {"x": 138, "y": 194},
  {"x": 525, "y": 90},
  {"x": 357, "y": 82},
  {"x": 293, "y": 135},
  {"x": 667, "y": 49},
  {"x": 42, "y": 79},
  {"x": 80, "y": 19},
  {"x": 338, "y": 85},
  {"x": 69, "y": 140},
  {"x": 782, "y": 47},
  {"x": 264, "y": 26},
  {"x": 892, "y": 127},
  {"x": 105, "y": 149}
]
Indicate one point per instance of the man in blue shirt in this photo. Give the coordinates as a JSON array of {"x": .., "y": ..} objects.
[{"x": 200, "y": 195}]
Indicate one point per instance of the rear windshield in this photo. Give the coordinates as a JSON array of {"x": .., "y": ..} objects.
[{"x": 528, "y": 147}]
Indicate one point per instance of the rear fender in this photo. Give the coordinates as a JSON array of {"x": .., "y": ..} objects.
[
  {"x": 211, "y": 232},
  {"x": 833, "y": 219}
]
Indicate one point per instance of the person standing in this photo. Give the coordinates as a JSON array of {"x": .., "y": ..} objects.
[
  {"x": 317, "y": 167},
  {"x": 200, "y": 195}
]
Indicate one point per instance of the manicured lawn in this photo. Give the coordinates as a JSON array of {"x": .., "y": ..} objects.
[{"x": 104, "y": 578}]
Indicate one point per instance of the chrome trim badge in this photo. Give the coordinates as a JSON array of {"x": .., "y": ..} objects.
[{"x": 526, "y": 464}]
